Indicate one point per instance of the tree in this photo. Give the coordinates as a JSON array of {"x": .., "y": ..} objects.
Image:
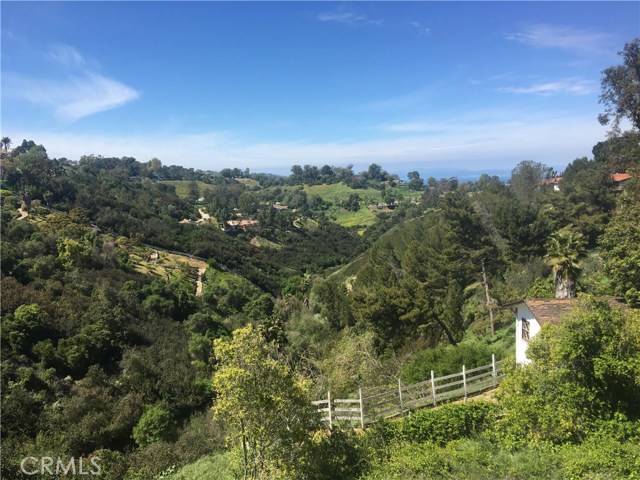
[
  {"x": 266, "y": 401},
  {"x": 620, "y": 89},
  {"x": 620, "y": 243},
  {"x": 563, "y": 252},
  {"x": 526, "y": 177},
  {"x": 24, "y": 147},
  {"x": 619, "y": 153},
  {"x": 586, "y": 198},
  {"x": 352, "y": 203},
  {"x": 156, "y": 424},
  {"x": 415, "y": 182},
  {"x": 154, "y": 166},
  {"x": 375, "y": 172},
  {"x": 296, "y": 173},
  {"x": 25, "y": 327},
  {"x": 6, "y": 143}
]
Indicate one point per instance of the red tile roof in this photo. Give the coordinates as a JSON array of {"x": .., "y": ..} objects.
[
  {"x": 551, "y": 181},
  {"x": 620, "y": 177}
]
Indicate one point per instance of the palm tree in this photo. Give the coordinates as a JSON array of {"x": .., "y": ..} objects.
[
  {"x": 563, "y": 251},
  {"x": 6, "y": 143}
]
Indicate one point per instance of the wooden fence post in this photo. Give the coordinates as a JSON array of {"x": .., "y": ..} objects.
[
  {"x": 464, "y": 382},
  {"x": 433, "y": 388},
  {"x": 493, "y": 370},
  {"x": 361, "y": 408},
  {"x": 400, "y": 396},
  {"x": 329, "y": 405}
]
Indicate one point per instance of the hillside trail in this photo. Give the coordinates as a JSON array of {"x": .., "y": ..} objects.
[
  {"x": 204, "y": 216},
  {"x": 23, "y": 214},
  {"x": 201, "y": 271}
]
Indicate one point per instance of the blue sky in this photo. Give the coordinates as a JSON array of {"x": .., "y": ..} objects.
[{"x": 438, "y": 86}]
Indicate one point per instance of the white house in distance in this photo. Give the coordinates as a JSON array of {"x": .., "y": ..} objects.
[{"x": 532, "y": 314}]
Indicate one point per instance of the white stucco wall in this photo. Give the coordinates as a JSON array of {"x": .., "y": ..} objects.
[{"x": 534, "y": 328}]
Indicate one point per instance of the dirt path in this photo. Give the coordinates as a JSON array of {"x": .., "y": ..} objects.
[
  {"x": 23, "y": 214},
  {"x": 201, "y": 271},
  {"x": 205, "y": 217}
]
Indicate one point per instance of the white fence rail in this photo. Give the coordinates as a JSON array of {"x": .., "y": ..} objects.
[{"x": 398, "y": 401}]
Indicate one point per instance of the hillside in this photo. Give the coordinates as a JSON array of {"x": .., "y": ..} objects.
[{"x": 117, "y": 315}]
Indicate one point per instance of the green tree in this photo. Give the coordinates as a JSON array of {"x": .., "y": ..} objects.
[
  {"x": 25, "y": 327},
  {"x": 563, "y": 252},
  {"x": 75, "y": 253},
  {"x": 526, "y": 177},
  {"x": 620, "y": 89},
  {"x": 6, "y": 143},
  {"x": 155, "y": 424},
  {"x": 619, "y": 153},
  {"x": 267, "y": 403},
  {"x": 621, "y": 243},
  {"x": 415, "y": 182},
  {"x": 352, "y": 203},
  {"x": 374, "y": 172}
]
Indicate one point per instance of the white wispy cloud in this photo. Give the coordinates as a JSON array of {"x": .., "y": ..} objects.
[
  {"x": 570, "y": 86},
  {"x": 65, "y": 55},
  {"x": 348, "y": 17},
  {"x": 74, "y": 90},
  {"x": 562, "y": 37},
  {"x": 422, "y": 30}
]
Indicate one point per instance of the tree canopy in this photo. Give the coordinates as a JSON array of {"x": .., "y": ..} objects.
[{"x": 620, "y": 86}]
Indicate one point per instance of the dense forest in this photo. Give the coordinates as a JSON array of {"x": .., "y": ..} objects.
[{"x": 177, "y": 323}]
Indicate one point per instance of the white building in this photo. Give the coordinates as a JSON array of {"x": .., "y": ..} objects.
[{"x": 531, "y": 315}]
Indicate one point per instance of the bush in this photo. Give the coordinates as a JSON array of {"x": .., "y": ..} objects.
[
  {"x": 212, "y": 467},
  {"x": 601, "y": 458},
  {"x": 156, "y": 424},
  {"x": 411, "y": 461},
  {"x": 446, "y": 360},
  {"x": 332, "y": 455},
  {"x": 448, "y": 423}
]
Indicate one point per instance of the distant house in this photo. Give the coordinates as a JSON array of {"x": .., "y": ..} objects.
[
  {"x": 532, "y": 314},
  {"x": 553, "y": 182},
  {"x": 235, "y": 225},
  {"x": 279, "y": 206},
  {"x": 619, "y": 180}
]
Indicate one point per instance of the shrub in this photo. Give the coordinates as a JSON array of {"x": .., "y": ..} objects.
[
  {"x": 156, "y": 424},
  {"x": 601, "y": 458},
  {"x": 448, "y": 423},
  {"x": 446, "y": 360}
]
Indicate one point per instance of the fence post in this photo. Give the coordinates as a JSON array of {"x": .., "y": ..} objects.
[
  {"x": 400, "y": 396},
  {"x": 329, "y": 405},
  {"x": 493, "y": 370},
  {"x": 433, "y": 388},
  {"x": 464, "y": 382},
  {"x": 361, "y": 408}
]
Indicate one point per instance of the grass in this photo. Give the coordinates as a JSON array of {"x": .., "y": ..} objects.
[
  {"x": 164, "y": 266},
  {"x": 338, "y": 192},
  {"x": 306, "y": 223},
  {"x": 183, "y": 187},
  {"x": 211, "y": 467},
  {"x": 362, "y": 218},
  {"x": 263, "y": 242},
  {"x": 249, "y": 182}
]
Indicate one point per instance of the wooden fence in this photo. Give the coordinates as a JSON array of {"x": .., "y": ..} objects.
[{"x": 378, "y": 403}]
